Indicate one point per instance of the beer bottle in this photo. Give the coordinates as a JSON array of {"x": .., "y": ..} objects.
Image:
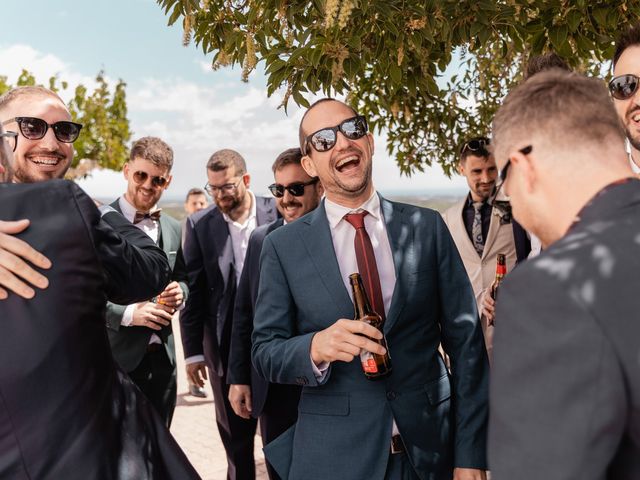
[
  {"x": 501, "y": 271},
  {"x": 375, "y": 366}
]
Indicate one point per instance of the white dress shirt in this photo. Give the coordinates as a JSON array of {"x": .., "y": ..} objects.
[
  {"x": 150, "y": 227},
  {"x": 240, "y": 233}
]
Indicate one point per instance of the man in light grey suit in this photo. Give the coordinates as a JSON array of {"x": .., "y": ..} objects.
[
  {"x": 140, "y": 334},
  {"x": 417, "y": 423},
  {"x": 565, "y": 392}
]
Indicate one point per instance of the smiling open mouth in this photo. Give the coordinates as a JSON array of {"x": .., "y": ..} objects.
[{"x": 347, "y": 163}]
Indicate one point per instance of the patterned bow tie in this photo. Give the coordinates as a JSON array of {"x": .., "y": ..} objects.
[{"x": 155, "y": 215}]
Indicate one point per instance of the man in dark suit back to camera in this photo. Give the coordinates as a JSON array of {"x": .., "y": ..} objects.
[
  {"x": 275, "y": 405},
  {"x": 565, "y": 392},
  {"x": 141, "y": 335},
  {"x": 215, "y": 245},
  {"x": 66, "y": 411}
]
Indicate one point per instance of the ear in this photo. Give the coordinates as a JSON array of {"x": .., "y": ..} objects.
[
  {"x": 246, "y": 179},
  {"x": 168, "y": 182},
  {"x": 125, "y": 170},
  {"x": 526, "y": 168},
  {"x": 308, "y": 166},
  {"x": 460, "y": 168}
]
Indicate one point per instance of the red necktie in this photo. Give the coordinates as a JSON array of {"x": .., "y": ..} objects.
[{"x": 367, "y": 261}]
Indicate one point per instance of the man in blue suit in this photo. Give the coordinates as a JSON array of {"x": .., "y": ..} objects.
[
  {"x": 275, "y": 405},
  {"x": 215, "y": 246},
  {"x": 418, "y": 423}
]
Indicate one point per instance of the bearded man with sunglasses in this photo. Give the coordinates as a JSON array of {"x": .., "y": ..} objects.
[
  {"x": 274, "y": 405},
  {"x": 215, "y": 246},
  {"x": 140, "y": 334},
  {"x": 418, "y": 422}
]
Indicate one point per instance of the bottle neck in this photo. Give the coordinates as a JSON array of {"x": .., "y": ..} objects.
[{"x": 360, "y": 300}]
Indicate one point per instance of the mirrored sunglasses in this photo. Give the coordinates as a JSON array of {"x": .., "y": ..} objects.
[
  {"x": 141, "y": 177},
  {"x": 33, "y": 128},
  {"x": 326, "y": 138},
  {"x": 624, "y": 87},
  {"x": 475, "y": 144},
  {"x": 295, "y": 189}
]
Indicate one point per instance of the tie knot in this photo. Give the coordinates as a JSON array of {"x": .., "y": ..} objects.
[
  {"x": 477, "y": 206},
  {"x": 356, "y": 219}
]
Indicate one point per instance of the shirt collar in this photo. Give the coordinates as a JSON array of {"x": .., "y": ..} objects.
[
  {"x": 251, "y": 216},
  {"x": 336, "y": 213},
  {"x": 470, "y": 201},
  {"x": 128, "y": 210}
]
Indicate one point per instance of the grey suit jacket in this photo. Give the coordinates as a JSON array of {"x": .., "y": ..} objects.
[
  {"x": 565, "y": 392},
  {"x": 344, "y": 422},
  {"x": 129, "y": 344}
]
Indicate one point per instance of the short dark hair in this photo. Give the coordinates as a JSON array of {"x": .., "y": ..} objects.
[
  {"x": 301, "y": 133},
  {"x": 628, "y": 38},
  {"x": 223, "y": 159},
  {"x": 546, "y": 61},
  {"x": 482, "y": 152},
  {"x": 194, "y": 191},
  {"x": 153, "y": 150},
  {"x": 291, "y": 156}
]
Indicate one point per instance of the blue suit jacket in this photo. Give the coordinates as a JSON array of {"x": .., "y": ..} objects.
[{"x": 344, "y": 424}]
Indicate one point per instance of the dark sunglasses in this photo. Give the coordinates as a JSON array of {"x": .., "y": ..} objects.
[
  {"x": 141, "y": 177},
  {"x": 33, "y": 128},
  {"x": 326, "y": 138},
  {"x": 475, "y": 144},
  {"x": 505, "y": 170},
  {"x": 624, "y": 87},
  {"x": 295, "y": 189}
]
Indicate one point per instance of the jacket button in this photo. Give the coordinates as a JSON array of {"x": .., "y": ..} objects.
[{"x": 391, "y": 395}]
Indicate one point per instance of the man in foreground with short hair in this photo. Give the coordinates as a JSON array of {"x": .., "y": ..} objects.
[
  {"x": 418, "y": 422},
  {"x": 565, "y": 391},
  {"x": 274, "y": 405}
]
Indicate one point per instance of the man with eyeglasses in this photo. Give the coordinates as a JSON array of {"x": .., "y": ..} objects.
[
  {"x": 140, "y": 334},
  {"x": 215, "y": 246},
  {"x": 276, "y": 406},
  {"x": 624, "y": 89},
  {"x": 418, "y": 422},
  {"x": 482, "y": 227},
  {"x": 565, "y": 389}
]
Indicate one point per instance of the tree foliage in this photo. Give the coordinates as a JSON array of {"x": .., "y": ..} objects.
[
  {"x": 103, "y": 114},
  {"x": 432, "y": 72}
]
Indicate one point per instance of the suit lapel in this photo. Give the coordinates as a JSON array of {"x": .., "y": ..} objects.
[
  {"x": 459, "y": 233},
  {"x": 319, "y": 244},
  {"x": 494, "y": 226},
  {"x": 165, "y": 236},
  {"x": 222, "y": 240}
]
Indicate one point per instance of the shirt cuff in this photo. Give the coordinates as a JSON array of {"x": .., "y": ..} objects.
[
  {"x": 194, "y": 359},
  {"x": 127, "y": 316},
  {"x": 320, "y": 371}
]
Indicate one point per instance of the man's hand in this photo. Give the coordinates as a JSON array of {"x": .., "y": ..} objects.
[
  {"x": 171, "y": 296},
  {"x": 151, "y": 315},
  {"x": 469, "y": 474},
  {"x": 240, "y": 399},
  {"x": 14, "y": 271},
  {"x": 488, "y": 308},
  {"x": 343, "y": 341},
  {"x": 197, "y": 373}
]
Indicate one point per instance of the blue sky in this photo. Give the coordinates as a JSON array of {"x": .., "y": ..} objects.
[{"x": 171, "y": 90}]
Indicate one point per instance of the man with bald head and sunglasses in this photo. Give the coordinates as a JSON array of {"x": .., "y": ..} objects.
[
  {"x": 419, "y": 422},
  {"x": 140, "y": 334}
]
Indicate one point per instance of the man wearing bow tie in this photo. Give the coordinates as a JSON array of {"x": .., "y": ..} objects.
[{"x": 140, "y": 334}]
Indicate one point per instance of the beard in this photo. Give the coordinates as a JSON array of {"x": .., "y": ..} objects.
[{"x": 228, "y": 203}]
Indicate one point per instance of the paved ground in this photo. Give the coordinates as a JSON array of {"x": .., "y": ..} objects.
[{"x": 195, "y": 429}]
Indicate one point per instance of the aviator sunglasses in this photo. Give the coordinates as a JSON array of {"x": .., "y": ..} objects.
[
  {"x": 326, "y": 138},
  {"x": 295, "y": 189},
  {"x": 33, "y": 128},
  {"x": 140, "y": 177},
  {"x": 624, "y": 87},
  {"x": 475, "y": 144}
]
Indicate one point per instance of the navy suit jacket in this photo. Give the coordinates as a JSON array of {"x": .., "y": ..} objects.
[
  {"x": 344, "y": 423},
  {"x": 205, "y": 322}
]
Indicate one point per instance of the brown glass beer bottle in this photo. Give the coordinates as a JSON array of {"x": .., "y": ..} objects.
[
  {"x": 374, "y": 366},
  {"x": 501, "y": 271}
]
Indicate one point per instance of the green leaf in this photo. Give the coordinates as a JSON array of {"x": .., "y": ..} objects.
[{"x": 558, "y": 36}]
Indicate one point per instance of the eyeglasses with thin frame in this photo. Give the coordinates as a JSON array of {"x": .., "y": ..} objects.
[
  {"x": 475, "y": 144},
  {"x": 325, "y": 139},
  {"x": 33, "y": 128},
  {"x": 623, "y": 87},
  {"x": 296, "y": 189},
  {"x": 502, "y": 175},
  {"x": 226, "y": 188},
  {"x": 157, "y": 181}
]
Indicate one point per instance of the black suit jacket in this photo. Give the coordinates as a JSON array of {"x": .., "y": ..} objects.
[
  {"x": 129, "y": 344},
  {"x": 206, "y": 320},
  {"x": 565, "y": 391},
  {"x": 241, "y": 371},
  {"x": 66, "y": 411}
]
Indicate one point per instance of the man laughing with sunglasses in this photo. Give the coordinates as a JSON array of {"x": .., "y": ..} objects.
[
  {"x": 624, "y": 89},
  {"x": 416, "y": 423}
]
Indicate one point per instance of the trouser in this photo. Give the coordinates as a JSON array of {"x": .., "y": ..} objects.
[
  {"x": 236, "y": 433},
  {"x": 399, "y": 468},
  {"x": 155, "y": 376}
]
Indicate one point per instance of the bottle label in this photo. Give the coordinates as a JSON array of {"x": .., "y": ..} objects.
[
  {"x": 501, "y": 270},
  {"x": 368, "y": 362}
]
